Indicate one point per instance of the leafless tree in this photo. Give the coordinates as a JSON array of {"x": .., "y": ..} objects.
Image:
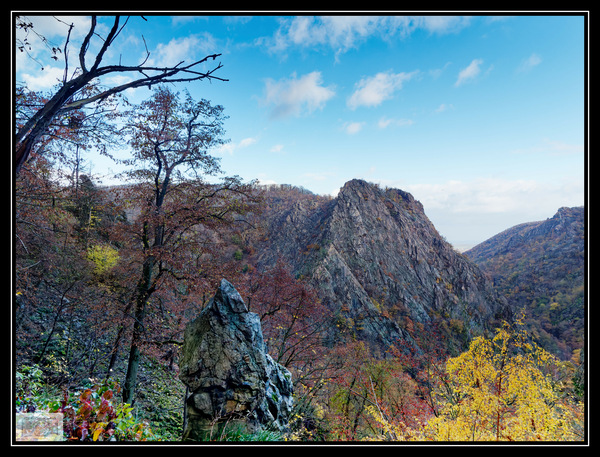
[{"x": 69, "y": 96}]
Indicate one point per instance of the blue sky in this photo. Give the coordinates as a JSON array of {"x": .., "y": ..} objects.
[{"x": 481, "y": 118}]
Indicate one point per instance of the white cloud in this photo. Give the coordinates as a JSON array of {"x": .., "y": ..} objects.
[
  {"x": 183, "y": 20},
  {"x": 527, "y": 64},
  {"x": 230, "y": 148},
  {"x": 50, "y": 32},
  {"x": 352, "y": 128},
  {"x": 497, "y": 196},
  {"x": 276, "y": 148},
  {"x": 373, "y": 90},
  {"x": 182, "y": 49},
  {"x": 468, "y": 212},
  {"x": 437, "y": 72},
  {"x": 384, "y": 123},
  {"x": 444, "y": 24},
  {"x": 45, "y": 79},
  {"x": 342, "y": 33},
  {"x": 469, "y": 73},
  {"x": 247, "y": 142},
  {"x": 443, "y": 107},
  {"x": 339, "y": 32},
  {"x": 294, "y": 96},
  {"x": 57, "y": 27}
]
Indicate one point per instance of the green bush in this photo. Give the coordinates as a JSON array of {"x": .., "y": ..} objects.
[{"x": 31, "y": 393}]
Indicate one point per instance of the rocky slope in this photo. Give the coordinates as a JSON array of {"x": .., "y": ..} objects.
[
  {"x": 539, "y": 267},
  {"x": 380, "y": 265}
]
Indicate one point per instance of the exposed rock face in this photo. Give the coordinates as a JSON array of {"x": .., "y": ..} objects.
[
  {"x": 380, "y": 264},
  {"x": 230, "y": 377}
]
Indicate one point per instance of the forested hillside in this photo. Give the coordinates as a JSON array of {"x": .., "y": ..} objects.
[
  {"x": 362, "y": 368},
  {"x": 540, "y": 268},
  {"x": 380, "y": 330}
]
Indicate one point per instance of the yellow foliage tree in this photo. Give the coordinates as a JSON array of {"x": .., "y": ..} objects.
[
  {"x": 104, "y": 258},
  {"x": 501, "y": 389}
]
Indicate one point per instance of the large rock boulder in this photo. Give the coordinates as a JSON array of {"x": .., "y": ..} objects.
[{"x": 230, "y": 378}]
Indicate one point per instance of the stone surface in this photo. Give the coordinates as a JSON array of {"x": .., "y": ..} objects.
[{"x": 230, "y": 378}]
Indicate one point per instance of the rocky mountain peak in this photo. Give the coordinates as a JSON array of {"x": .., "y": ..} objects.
[
  {"x": 380, "y": 264},
  {"x": 356, "y": 186},
  {"x": 365, "y": 191}
]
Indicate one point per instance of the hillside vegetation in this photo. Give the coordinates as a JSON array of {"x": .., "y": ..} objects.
[
  {"x": 369, "y": 326},
  {"x": 540, "y": 268},
  {"x": 387, "y": 331}
]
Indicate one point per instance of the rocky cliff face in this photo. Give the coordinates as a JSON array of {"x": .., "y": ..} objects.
[{"x": 380, "y": 265}]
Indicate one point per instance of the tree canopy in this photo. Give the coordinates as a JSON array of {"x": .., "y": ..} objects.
[{"x": 74, "y": 91}]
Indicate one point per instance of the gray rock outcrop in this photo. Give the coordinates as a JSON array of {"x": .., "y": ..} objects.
[
  {"x": 231, "y": 380},
  {"x": 380, "y": 266}
]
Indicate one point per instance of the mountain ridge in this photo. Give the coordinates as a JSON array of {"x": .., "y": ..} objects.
[
  {"x": 540, "y": 267},
  {"x": 380, "y": 265}
]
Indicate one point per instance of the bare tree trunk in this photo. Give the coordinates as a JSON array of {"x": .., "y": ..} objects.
[{"x": 145, "y": 290}]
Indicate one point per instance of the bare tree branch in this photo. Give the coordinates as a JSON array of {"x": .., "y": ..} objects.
[{"x": 63, "y": 100}]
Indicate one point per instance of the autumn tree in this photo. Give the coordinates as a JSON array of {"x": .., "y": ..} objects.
[
  {"x": 366, "y": 391},
  {"x": 46, "y": 280},
  {"x": 61, "y": 273},
  {"x": 500, "y": 389},
  {"x": 179, "y": 212},
  {"x": 424, "y": 360},
  {"x": 293, "y": 319},
  {"x": 85, "y": 81}
]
